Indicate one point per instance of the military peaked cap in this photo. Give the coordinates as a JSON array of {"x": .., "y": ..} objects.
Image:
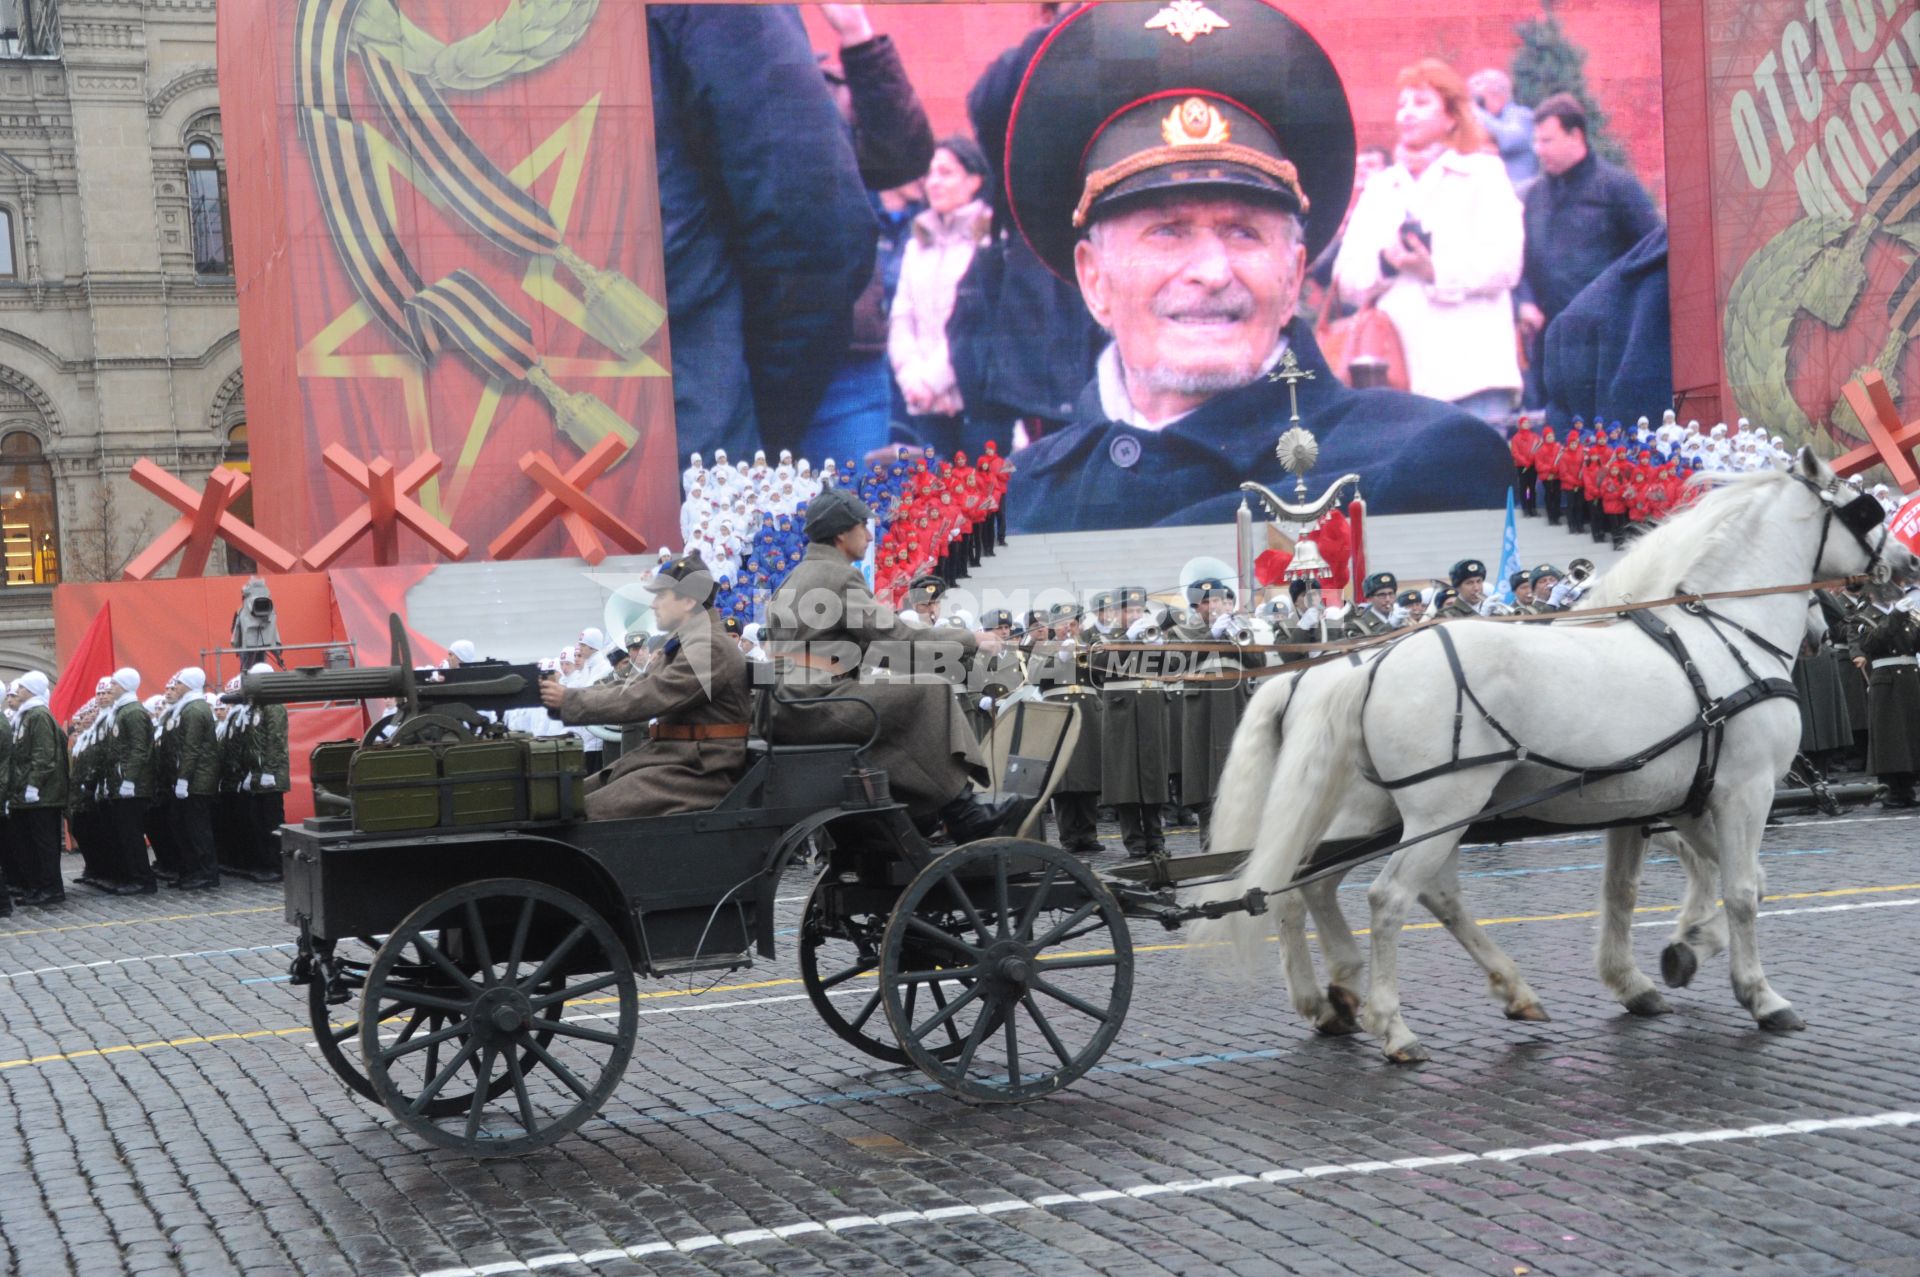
[
  {"x": 1211, "y": 587},
  {"x": 1227, "y": 97}
]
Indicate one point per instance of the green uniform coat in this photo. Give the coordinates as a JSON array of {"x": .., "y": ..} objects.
[
  {"x": 130, "y": 751},
  {"x": 196, "y": 754},
  {"x": 38, "y": 758}
]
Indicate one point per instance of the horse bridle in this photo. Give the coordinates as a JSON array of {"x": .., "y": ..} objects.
[{"x": 1860, "y": 516}]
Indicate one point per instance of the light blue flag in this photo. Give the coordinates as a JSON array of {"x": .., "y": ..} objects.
[{"x": 1509, "y": 555}]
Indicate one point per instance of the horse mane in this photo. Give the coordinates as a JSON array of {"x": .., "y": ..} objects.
[{"x": 1660, "y": 561}]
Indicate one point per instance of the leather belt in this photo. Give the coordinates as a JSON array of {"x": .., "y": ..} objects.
[
  {"x": 826, "y": 664},
  {"x": 1887, "y": 662},
  {"x": 699, "y": 731}
]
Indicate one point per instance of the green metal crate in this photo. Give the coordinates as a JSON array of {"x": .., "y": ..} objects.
[{"x": 395, "y": 789}]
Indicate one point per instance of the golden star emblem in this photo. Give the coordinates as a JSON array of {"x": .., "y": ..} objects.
[
  {"x": 322, "y": 357},
  {"x": 1187, "y": 19}
]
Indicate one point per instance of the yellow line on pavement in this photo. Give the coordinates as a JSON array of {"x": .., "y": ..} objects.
[
  {"x": 248, "y": 1035},
  {"x": 128, "y": 922}
]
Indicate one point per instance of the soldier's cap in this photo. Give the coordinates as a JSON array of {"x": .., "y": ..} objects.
[
  {"x": 1518, "y": 579},
  {"x": 1408, "y": 598},
  {"x": 1066, "y": 612},
  {"x": 731, "y": 624},
  {"x": 635, "y": 637},
  {"x": 1224, "y": 97},
  {"x": 1377, "y": 582},
  {"x": 1546, "y": 570},
  {"x": 1467, "y": 570},
  {"x": 1103, "y": 600},
  {"x": 997, "y": 618},
  {"x": 1036, "y": 618},
  {"x": 1211, "y": 587},
  {"x": 926, "y": 589},
  {"x": 1443, "y": 596},
  {"x": 1133, "y": 596},
  {"x": 833, "y": 512},
  {"x": 687, "y": 577}
]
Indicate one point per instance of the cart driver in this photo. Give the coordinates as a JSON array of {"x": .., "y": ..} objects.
[
  {"x": 825, "y": 631},
  {"x": 694, "y": 700}
]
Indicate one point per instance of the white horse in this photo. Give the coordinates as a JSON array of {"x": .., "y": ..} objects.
[{"x": 1395, "y": 718}]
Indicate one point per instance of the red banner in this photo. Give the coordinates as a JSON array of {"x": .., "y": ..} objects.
[
  {"x": 1795, "y": 231},
  {"x": 447, "y": 239}
]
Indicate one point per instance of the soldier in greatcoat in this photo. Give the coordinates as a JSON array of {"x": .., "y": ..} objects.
[
  {"x": 695, "y": 695},
  {"x": 1076, "y": 794},
  {"x": 1469, "y": 577},
  {"x": 36, "y": 791},
  {"x": 128, "y": 775},
  {"x": 194, "y": 755},
  {"x": 1134, "y": 744},
  {"x": 1376, "y": 616},
  {"x": 1209, "y": 711},
  {"x": 1889, "y": 637},
  {"x": 824, "y": 626}
]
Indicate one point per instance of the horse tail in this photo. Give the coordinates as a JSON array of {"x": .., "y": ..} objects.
[
  {"x": 1308, "y": 787},
  {"x": 1241, "y": 794}
]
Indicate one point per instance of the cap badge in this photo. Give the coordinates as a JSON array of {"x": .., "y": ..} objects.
[
  {"x": 1195, "y": 122},
  {"x": 1187, "y": 19}
]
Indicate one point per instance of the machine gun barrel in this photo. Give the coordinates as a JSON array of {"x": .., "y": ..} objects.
[{"x": 489, "y": 685}]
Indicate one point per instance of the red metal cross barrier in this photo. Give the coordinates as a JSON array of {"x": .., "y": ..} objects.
[
  {"x": 564, "y": 497},
  {"x": 1889, "y": 441},
  {"x": 388, "y": 505},
  {"x": 205, "y": 516}
]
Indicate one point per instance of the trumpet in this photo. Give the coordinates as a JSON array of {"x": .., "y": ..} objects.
[{"x": 1579, "y": 572}]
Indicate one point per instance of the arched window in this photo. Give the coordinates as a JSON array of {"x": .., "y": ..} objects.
[
  {"x": 29, "y": 522},
  {"x": 207, "y": 203},
  {"x": 236, "y": 457},
  {"x": 9, "y": 267}
]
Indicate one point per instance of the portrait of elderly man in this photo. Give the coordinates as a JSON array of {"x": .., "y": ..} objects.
[{"x": 1183, "y": 175}]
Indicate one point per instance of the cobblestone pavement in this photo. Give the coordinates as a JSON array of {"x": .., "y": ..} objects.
[{"x": 166, "y": 1112}]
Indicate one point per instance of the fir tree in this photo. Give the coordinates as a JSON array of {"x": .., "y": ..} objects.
[{"x": 1547, "y": 62}]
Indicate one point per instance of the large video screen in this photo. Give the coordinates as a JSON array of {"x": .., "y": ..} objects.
[{"x": 1128, "y": 245}]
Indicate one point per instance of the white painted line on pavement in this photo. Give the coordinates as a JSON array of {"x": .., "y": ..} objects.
[
  {"x": 1781, "y": 913},
  {"x": 148, "y": 957},
  {"x": 1250, "y": 1179}
]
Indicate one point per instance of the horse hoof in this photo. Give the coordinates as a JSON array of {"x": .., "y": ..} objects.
[
  {"x": 1345, "y": 1001},
  {"x": 1413, "y": 1053},
  {"x": 1531, "y": 1011},
  {"x": 1648, "y": 1002},
  {"x": 1678, "y": 965},
  {"x": 1782, "y": 1021},
  {"x": 1336, "y": 1026}
]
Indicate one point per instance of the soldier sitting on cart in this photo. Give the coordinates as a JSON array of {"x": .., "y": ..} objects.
[
  {"x": 695, "y": 693},
  {"x": 824, "y": 626}
]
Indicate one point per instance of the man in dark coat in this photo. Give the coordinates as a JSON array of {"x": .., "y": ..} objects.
[
  {"x": 1582, "y": 216},
  {"x": 1076, "y": 794},
  {"x": 194, "y": 752},
  {"x": 767, "y": 233},
  {"x": 1889, "y": 637},
  {"x": 1612, "y": 347},
  {"x": 1376, "y": 616},
  {"x": 1185, "y": 199},
  {"x": 1134, "y": 762},
  {"x": 824, "y": 628},
  {"x": 1209, "y": 711},
  {"x": 129, "y": 777},
  {"x": 696, "y": 696}
]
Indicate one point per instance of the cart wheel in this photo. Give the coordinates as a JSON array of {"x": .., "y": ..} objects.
[
  {"x": 506, "y": 948},
  {"x": 1046, "y": 959},
  {"x": 334, "y": 1009},
  {"x": 836, "y": 948}
]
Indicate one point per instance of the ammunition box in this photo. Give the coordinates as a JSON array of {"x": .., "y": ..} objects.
[
  {"x": 556, "y": 778},
  {"x": 486, "y": 782},
  {"x": 395, "y": 789}
]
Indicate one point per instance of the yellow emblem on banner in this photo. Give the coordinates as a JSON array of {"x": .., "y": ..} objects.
[
  {"x": 1187, "y": 19},
  {"x": 1195, "y": 122}
]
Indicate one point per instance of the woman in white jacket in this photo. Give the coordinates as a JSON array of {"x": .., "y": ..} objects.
[
  {"x": 939, "y": 250},
  {"x": 1438, "y": 239}
]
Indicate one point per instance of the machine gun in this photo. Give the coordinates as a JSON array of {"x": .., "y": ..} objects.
[{"x": 444, "y": 705}]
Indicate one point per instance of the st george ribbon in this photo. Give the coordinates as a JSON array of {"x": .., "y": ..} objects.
[{"x": 458, "y": 308}]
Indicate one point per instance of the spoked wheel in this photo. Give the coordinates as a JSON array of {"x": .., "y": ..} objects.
[
  {"x": 1042, "y": 953},
  {"x": 514, "y": 953},
  {"x": 335, "y": 1005},
  {"x": 836, "y": 950}
]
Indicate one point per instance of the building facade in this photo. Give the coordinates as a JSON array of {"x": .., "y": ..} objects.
[{"x": 119, "y": 332}]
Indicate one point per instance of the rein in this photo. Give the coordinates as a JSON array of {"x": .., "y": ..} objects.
[{"x": 1338, "y": 648}]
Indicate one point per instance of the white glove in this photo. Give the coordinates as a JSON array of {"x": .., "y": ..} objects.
[
  {"x": 266, "y": 780},
  {"x": 126, "y": 789},
  {"x": 179, "y": 789},
  {"x": 246, "y": 783},
  {"x": 986, "y": 704},
  {"x": 32, "y": 795},
  {"x": 1310, "y": 619},
  {"x": 1223, "y": 627},
  {"x": 1139, "y": 628},
  {"x": 1562, "y": 592}
]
